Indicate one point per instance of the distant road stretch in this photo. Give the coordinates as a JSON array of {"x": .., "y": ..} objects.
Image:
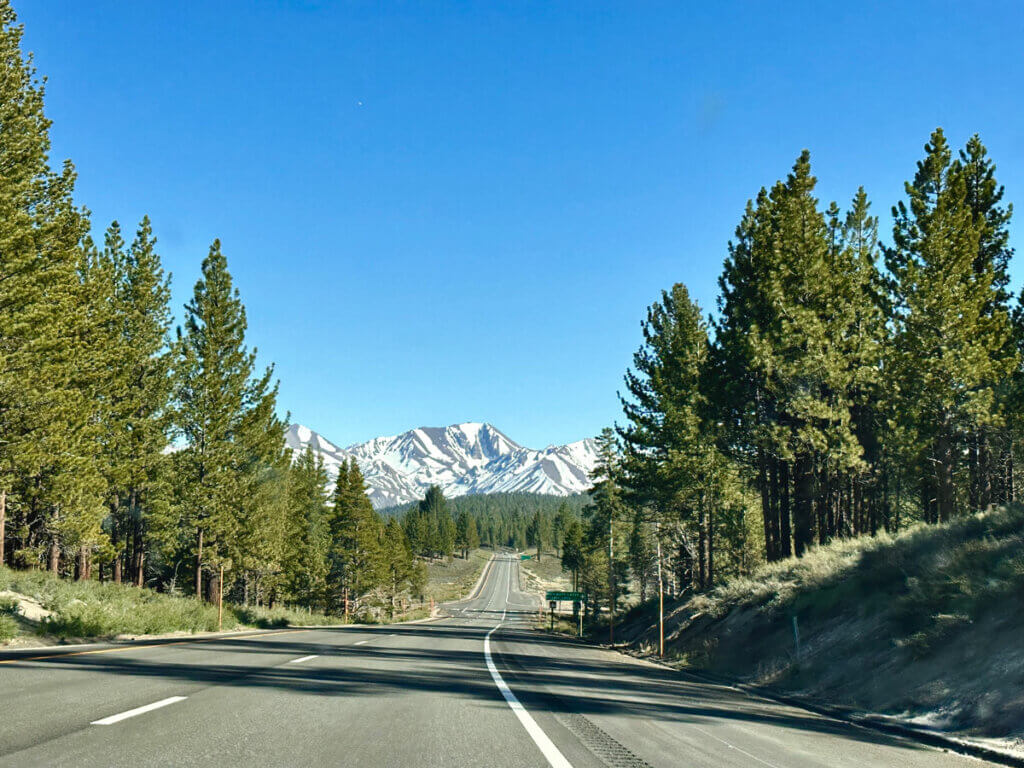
[{"x": 477, "y": 689}]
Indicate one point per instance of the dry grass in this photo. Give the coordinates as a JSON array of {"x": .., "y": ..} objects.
[
  {"x": 925, "y": 621},
  {"x": 546, "y": 573},
  {"x": 929, "y": 579},
  {"x": 447, "y": 581},
  {"x": 89, "y": 609}
]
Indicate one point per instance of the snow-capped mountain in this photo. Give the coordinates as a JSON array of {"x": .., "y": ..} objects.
[{"x": 461, "y": 459}]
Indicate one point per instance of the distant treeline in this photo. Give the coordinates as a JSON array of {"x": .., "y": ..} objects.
[{"x": 505, "y": 519}]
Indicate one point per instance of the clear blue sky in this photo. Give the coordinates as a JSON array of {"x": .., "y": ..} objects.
[{"x": 442, "y": 212}]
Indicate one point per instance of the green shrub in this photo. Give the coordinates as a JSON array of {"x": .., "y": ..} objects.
[{"x": 8, "y": 623}]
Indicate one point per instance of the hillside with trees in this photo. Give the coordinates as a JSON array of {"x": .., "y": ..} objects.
[
  {"x": 845, "y": 386},
  {"x": 822, "y": 476}
]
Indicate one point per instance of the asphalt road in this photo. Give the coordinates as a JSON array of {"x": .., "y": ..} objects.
[{"x": 477, "y": 689}]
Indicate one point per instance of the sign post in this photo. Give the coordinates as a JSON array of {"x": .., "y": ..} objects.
[{"x": 576, "y": 598}]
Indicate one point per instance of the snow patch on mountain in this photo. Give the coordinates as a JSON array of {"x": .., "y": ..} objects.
[{"x": 464, "y": 458}]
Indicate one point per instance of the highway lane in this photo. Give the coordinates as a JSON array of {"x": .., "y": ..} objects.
[{"x": 410, "y": 695}]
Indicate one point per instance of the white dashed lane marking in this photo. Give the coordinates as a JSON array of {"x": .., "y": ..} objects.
[{"x": 139, "y": 710}]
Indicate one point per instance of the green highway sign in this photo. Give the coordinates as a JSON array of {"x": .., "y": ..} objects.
[
  {"x": 526, "y": 557},
  {"x": 576, "y": 597}
]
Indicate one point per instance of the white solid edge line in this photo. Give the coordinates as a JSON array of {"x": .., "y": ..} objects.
[
  {"x": 361, "y": 642},
  {"x": 138, "y": 710},
  {"x": 553, "y": 755},
  {"x": 304, "y": 658}
]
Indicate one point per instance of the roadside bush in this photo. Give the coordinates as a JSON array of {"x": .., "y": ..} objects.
[{"x": 8, "y": 624}]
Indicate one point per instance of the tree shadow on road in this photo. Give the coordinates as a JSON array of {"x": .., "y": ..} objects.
[{"x": 550, "y": 674}]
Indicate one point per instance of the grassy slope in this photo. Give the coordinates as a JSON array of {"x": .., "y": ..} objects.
[
  {"x": 91, "y": 609},
  {"x": 453, "y": 580},
  {"x": 545, "y": 574},
  {"x": 926, "y": 624}
]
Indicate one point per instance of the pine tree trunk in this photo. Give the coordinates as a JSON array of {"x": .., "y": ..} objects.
[
  {"x": 803, "y": 504},
  {"x": 711, "y": 547},
  {"x": 81, "y": 568},
  {"x": 944, "y": 471},
  {"x": 927, "y": 500},
  {"x": 212, "y": 587},
  {"x": 54, "y": 563},
  {"x": 784, "y": 525},
  {"x": 770, "y": 550},
  {"x": 1010, "y": 485},
  {"x": 823, "y": 503},
  {"x": 773, "y": 507},
  {"x": 973, "y": 473},
  {"x": 985, "y": 492},
  {"x": 138, "y": 556},
  {"x": 702, "y": 547},
  {"x": 115, "y": 530}
]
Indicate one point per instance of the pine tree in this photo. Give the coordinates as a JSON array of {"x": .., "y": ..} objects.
[
  {"x": 863, "y": 341},
  {"x": 463, "y": 524},
  {"x": 563, "y": 519},
  {"x": 433, "y": 528},
  {"x": 535, "y": 533},
  {"x": 42, "y": 235},
  {"x": 951, "y": 331},
  {"x": 399, "y": 564},
  {"x": 213, "y": 389},
  {"x": 672, "y": 461},
  {"x": 358, "y": 564},
  {"x": 793, "y": 296},
  {"x": 417, "y": 531},
  {"x": 641, "y": 557},
  {"x": 260, "y": 469},
  {"x": 573, "y": 551},
  {"x": 137, "y": 417},
  {"x": 306, "y": 556},
  {"x": 604, "y": 568},
  {"x": 990, "y": 444}
]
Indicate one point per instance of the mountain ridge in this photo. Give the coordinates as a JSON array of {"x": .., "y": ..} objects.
[{"x": 466, "y": 458}]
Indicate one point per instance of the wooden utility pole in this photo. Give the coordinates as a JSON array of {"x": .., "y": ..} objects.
[
  {"x": 611, "y": 582},
  {"x": 661, "y": 595},
  {"x": 220, "y": 600}
]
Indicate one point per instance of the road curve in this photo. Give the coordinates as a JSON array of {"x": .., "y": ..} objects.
[{"x": 477, "y": 689}]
